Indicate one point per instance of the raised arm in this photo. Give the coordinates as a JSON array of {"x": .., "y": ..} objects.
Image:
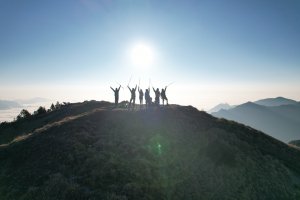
[
  {"x": 112, "y": 89},
  {"x": 119, "y": 87},
  {"x": 166, "y": 88},
  {"x": 135, "y": 88},
  {"x": 129, "y": 88},
  {"x": 153, "y": 89}
]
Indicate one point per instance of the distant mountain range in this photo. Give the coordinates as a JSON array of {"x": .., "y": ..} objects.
[
  {"x": 8, "y": 104},
  {"x": 4, "y": 104},
  {"x": 32, "y": 100},
  {"x": 279, "y": 117}
]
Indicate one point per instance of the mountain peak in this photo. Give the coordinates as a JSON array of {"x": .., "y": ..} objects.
[{"x": 224, "y": 106}]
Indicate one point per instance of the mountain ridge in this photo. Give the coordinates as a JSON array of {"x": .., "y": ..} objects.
[
  {"x": 278, "y": 101},
  {"x": 92, "y": 150}
]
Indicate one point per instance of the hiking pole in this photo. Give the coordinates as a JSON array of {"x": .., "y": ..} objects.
[
  {"x": 139, "y": 82},
  {"x": 170, "y": 84},
  {"x": 129, "y": 80},
  {"x": 120, "y": 85}
]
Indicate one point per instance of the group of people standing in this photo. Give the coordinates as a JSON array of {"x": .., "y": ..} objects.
[{"x": 158, "y": 94}]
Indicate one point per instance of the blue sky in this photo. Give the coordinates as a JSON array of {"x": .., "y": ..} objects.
[{"x": 215, "y": 51}]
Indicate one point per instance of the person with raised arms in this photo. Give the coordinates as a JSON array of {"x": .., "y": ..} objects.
[
  {"x": 141, "y": 96},
  {"x": 157, "y": 96},
  {"x": 116, "y": 91},
  {"x": 132, "y": 99},
  {"x": 163, "y": 95}
]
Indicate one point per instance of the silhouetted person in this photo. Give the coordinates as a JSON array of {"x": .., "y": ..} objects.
[
  {"x": 141, "y": 95},
  {"x": 163, "y": 95},
  {"x": 157, "y": 96},
  {"x": 116, "y": 91},
  {"x": 132, "y": 99},
  {"x": 148, "y": 98}
]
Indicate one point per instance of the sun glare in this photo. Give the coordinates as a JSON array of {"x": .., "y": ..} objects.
[{"x": 142, "y": 55}]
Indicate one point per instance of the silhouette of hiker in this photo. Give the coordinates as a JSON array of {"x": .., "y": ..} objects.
[
  {"x": 141, "y": 95},
  {"x": 116, "y": 91},
  {"x": 132, "y": 99},
  {"x": 163, "y": 95},
  {"x": 157, "y": 96},
  {"x": 147, "y": 98}
]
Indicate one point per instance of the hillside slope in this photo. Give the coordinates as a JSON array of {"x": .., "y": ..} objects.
[
  {"x": 170, "y": 153},
  {"x": 9, "y": 131}
]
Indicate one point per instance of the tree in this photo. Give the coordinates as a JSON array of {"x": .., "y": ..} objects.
[
  {"x": 40, "y": 110},
  {"x": 52, "y": 107},
  {"x": 57, "y": 105},
  {"x": 24, "y": 114}
]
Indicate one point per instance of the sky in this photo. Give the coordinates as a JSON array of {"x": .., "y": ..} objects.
[{"x": 213, "y": 51}]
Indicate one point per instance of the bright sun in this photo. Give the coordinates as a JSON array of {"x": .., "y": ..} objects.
[{"x": 142, "y": 55}]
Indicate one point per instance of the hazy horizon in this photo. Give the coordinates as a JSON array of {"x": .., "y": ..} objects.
[
  {"x": 213, "y": 51},
  {"x": 48, "y": 101}
]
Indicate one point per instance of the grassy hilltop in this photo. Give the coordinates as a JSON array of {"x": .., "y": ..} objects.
[{"x": 92, "y": 151}]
